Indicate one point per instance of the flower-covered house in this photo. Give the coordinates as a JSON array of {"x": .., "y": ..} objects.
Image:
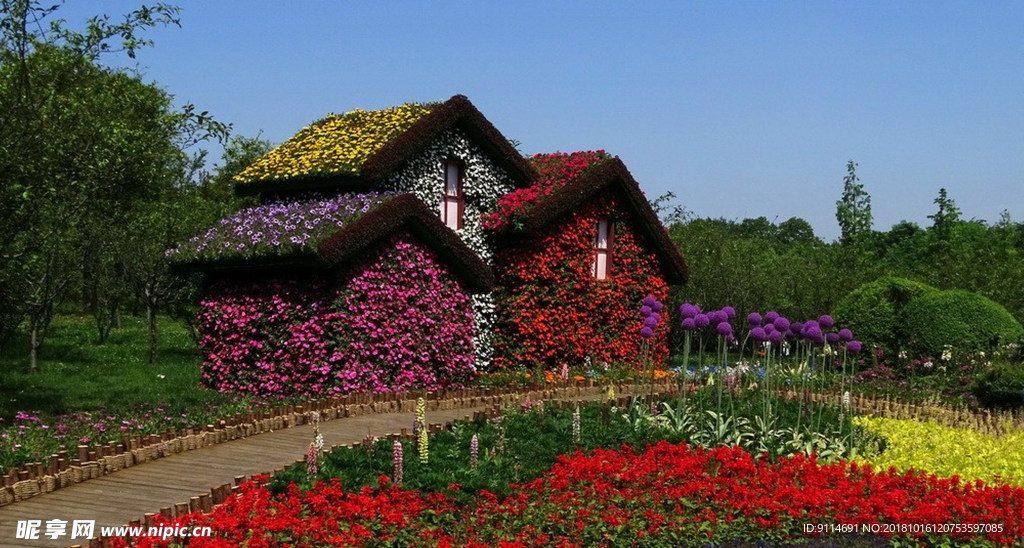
[{"x": 410, "y": 247}]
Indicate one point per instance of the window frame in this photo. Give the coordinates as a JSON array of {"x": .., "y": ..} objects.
[
  {"x": 460, "y": 193},
  {"x": 604, "y": 252}
]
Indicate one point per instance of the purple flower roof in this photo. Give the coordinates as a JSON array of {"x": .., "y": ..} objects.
[{"x": 276, "y": 229}]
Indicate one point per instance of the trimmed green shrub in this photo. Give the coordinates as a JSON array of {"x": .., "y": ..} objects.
[
  {"x": 874, "y": 310},
  {"x": 964, "y": 320},
  {"x": 1001, "y": 386}
]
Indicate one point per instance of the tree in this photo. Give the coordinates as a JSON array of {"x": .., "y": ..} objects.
[
  {"x": 853, "y": 209},
  {"x": 796, "y": 231},
  {"x": 83, "y": 146},
  {"x": 946, "y": 217}
]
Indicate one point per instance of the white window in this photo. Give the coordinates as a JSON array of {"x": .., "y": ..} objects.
[
  {"x": 453, "y": 203},
  {"x": 602, "y": 249}
]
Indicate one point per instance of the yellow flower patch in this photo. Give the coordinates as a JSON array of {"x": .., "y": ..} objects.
[
  {"x": 946, "y": 451},
  {"x": 338, "y": 144}
]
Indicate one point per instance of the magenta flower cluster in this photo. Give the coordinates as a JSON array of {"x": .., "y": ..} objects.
[
  {"x": 275, "y": 229},
  {"x": 398, "y": 320},
  {"x": 771, "y": 327},
  {"x": 695, "y": 319}
]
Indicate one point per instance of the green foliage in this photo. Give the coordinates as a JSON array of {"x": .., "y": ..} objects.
[
  {"x": 853, "y": 209},
  {"x": 524, "y": 444},
  {"x": 1001, "y": 386},
  {"x": 874, "y": 311},
  {"x": 961, "y": 319}
]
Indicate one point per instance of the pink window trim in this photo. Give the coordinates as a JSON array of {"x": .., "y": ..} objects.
[
  {"x": 453, "y": 201},
  {"x": 602, "y": 249}
]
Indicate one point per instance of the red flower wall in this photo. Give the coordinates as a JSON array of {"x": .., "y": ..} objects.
[{"x": 551, "y": 310}]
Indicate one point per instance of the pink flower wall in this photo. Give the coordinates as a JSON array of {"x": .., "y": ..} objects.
[{"x": 398, "y": 320}]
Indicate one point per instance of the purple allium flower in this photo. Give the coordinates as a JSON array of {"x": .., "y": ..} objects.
[
  {"x": 724, "y": 329},
  {"x": 651, "y": 321},
  {"x": 826, "y": 321},
  {"x": 718, "y": 316},
  {"x": 689, "y": 324},
  {"x": 832, "y": 338},
  {"x": 771, "y": 316},
  {"x": 758, "y": 334},
  {"x": 781, "y": 323},
  {"x": 854, "y": 346},
  {"x": 769, "y": 329},
  {"x": 701, "y": 321},
  {"x": 646, "y": 311},
  {"x": 796, "y": 327},
  {"x": 646, "y": 332},
  {"x": 845, "y": 335},
  {"x": 775, "y": 336},
  {"x": 688, "y": 310},
  {"x": 730, "y": 312},
  {"x": 657, "y": 307},
  {"x": 754, "y": 319},
  {"x": 649, "y": 301}
]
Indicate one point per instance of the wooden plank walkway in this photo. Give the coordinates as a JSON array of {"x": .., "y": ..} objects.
[{"x": 116, "y": 499}]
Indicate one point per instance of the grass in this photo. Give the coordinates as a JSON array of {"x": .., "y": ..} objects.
[{"x": 77, "y": 374}]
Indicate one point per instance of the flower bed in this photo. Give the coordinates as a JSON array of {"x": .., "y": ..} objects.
[
  {"x": 947, "y": 451},
  {"x": 667, "y": 495}
]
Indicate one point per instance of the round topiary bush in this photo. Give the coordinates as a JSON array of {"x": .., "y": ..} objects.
[
  {"x": 874, "y": 310},
  {"x": 964, "y": 320}
]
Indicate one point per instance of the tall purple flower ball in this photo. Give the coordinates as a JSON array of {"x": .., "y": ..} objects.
[
  {"x": 818, "y": 339},
  {"x": 775, "y": 336},
  {"x": 832, "y": 338},
  {"x": 688, "y": 310},
  {"x": 796, "y": 327},
  {"x": 646, "y": 332},
  {"x": 651, "y": 321},
  {"x": 812, "y": 332},
  {"x": 649, "y": 301},
  {"x": 656, "y": 316},
  {"x": 754, "y": 319},
  {"x": 646, "y": 311},
  {"x": 769, "y": 329},
  {"x": 826, "y": 321},
  {"x": 724, "y": 329},
  {"x": 657, "y": 306},
  {"x": 701, "y": 321},
  {"x": 718, "y": 316},
  {"x": 730, "y": 312},
  {"x": 845, "y": 335},
  {"x": 781, "y": 323},
  {"x": 689, "y": 324},
  {"x": 758, "y": 334},
  {"x": 771, "y": 316},
  {"x": 854, "y": 346}
]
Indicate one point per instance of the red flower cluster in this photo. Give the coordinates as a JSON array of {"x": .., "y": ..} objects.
[
  {"x": 555, "y": 170},
  {"x": 551, "y": 309},
  {"x": 665, "y": 496}
]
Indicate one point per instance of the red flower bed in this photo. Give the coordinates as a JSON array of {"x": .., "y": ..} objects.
[{"x": 666, "y": 496}]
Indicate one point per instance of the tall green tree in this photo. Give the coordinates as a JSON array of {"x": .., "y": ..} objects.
[
  {"x": 947, "y": 216},
  {"x": 83, "y": 145},
  {"x": 853, "y": 209}
]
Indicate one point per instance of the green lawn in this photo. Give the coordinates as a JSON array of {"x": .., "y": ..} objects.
[{"x": 77, "y": 374}]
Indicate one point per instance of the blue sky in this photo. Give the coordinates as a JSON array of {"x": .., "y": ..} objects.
[{"x": 741, "y": 109}]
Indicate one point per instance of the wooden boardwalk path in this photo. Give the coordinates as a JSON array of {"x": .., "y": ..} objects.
[{"x": 116, "y": 499}]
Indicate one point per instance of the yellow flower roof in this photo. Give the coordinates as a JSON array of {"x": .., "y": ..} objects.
[{"x": 337, "y": 145}]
